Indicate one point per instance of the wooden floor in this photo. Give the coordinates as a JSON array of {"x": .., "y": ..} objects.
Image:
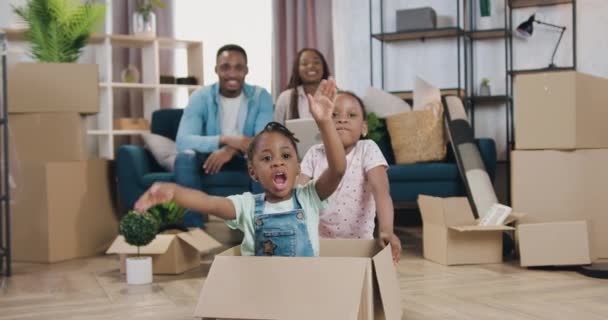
[{"x": 94, "y": 289}]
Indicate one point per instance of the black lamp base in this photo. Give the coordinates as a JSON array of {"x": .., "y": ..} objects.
[
  {"x": 595, "y": 270},
  {"x": 552, "y": 66}
]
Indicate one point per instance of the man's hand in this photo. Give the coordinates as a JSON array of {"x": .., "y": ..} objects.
[
  {"x": 321, "y": 105},
  {"x": 217, "y": 159},
  {"x": 158, "y": 193},
  {"x": 240, "y": 143},
  {"x": 390, "y": 238}
]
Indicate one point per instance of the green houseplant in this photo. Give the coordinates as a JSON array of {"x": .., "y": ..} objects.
[
  {"x": 144, "y": 18},
  {"x": 58, "y": 30},
  {"x": 169, "y": 216},
  {"x": 138, "y": 229}
]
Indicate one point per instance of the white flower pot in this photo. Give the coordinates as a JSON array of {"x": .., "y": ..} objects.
[{"x": 139, "y": 270}]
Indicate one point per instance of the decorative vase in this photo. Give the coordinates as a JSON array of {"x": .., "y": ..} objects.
[
  {"x": 144, "y": 24},
  {"x": 485, "y": 90},
  {"x": 130, "y": 74},
  {"x": 139, "y": 270}
]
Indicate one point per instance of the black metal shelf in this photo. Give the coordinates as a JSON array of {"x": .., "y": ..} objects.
[
  {"x": 541, "y": 70},
  {"x": 492, "y": 99},
  {"x": 5, "y": 224},
  {"x": 488, "y": 34},
  {"x": 422, "y": 34},
  {"x": 516, "y": 4},
  {"x": 409, "y": 95}
]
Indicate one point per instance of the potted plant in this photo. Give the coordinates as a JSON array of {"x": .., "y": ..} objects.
[
  {"x": 484, "y": 88},
  {"x": 377, "y": 132},
  {"x": 57, "y": 32},
  {"x": 169, "y": 217},
  {"x": 144, "y": 18},
  {"x": 139, "y": 229}
]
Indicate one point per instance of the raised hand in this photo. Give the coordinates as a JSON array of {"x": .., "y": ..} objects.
[
  {"x": 321, "y": 105},
  {"x": 157, "y": 194}
]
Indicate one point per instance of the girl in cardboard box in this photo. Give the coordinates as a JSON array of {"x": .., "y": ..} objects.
[
  {"x": 284, "y": 220},
  {"x": 363, "y": 193}
]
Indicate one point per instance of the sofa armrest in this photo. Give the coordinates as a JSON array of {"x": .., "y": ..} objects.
[
  {"x": 132, "y": 163},
  {"x": 487, "y": 150}
]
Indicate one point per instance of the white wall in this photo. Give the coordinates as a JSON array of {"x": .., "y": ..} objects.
[{"x": 435, "y": 60}]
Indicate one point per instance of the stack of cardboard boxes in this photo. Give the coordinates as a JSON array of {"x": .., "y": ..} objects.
[
  {"x": 62, "y": 206},
  {"x": 558, "y": 175}
]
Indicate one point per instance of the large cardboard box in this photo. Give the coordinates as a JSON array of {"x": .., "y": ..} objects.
[
  {"x": 64, "y": 211},
  {"x": 352, "y": 279},
  {"x": 40, "y": 137},
  {"x": 53, "y": 87},
  {"x": 451, "y": 236},
  {"x": 553, "y": 244},
  {"x": 555, "y": 186},
  {"x": 560, "y": 110},
  {"x": 171, "y": 253}
]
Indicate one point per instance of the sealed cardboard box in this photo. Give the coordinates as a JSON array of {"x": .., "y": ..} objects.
[
  {"x": 40, "y": 137},
  {"x": 555, "y": 186},
  {"x": 560, "y": 110},
  {"x": 351, "y": 279},
  {"x": 64, "y": 211},
  {"x": 451, "y": 235},
  {"x": 553, "y": 244},
  {"x": 171, "y": 253},
  {"x": 53, "y": 87},
  {"x": 131, "y": 124}
]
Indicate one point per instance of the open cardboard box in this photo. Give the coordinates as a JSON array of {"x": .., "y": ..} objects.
[
  {"x": 451, "y": 235},
  {"x": 351, "y": 279},
  {"x": 171, "y": 253}
]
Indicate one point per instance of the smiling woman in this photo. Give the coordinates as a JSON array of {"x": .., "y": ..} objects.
[{"x": 242, "y": 22}]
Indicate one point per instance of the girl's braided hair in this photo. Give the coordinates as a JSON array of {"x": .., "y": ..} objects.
[{"x": 269, "y": 128}]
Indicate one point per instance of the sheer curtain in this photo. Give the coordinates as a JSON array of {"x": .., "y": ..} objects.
[{"x": 299, "y": 24}]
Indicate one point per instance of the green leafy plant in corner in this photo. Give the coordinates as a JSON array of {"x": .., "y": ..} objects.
[
  {"x": 485, "y": 82},
  {"x": 59, "y": 29},
  {"x": 144, "y": 7},
  {"x": 375, "y": 128},
  {"x": 139, "y": 229},
  {"x": 169, "y": 216}
]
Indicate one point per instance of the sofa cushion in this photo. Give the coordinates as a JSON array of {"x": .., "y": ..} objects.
[
  {"x": 226, "y": 179},
  {"x": 163, "y": 149},
  {"x": 428, "y": 171},
  {"x": 149, "y": 178}
]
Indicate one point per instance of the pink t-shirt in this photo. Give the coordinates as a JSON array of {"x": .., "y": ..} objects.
[{"x": 351, "y": 210}]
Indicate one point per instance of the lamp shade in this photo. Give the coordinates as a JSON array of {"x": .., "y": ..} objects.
[{"x": 526, "y": 28}]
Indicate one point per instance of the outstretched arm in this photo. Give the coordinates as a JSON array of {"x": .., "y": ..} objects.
[
  {"x": 378, "y": 180},
  {"x": 322, "y": 108},
  {"x": 199, "y": 201}
]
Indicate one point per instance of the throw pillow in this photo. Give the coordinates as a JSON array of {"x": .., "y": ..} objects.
[
  {"x": 383, "y": 103},
  {"x": 163, "y": 149}
]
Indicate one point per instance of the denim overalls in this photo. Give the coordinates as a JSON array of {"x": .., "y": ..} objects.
[{"x": 281, "y": 234}]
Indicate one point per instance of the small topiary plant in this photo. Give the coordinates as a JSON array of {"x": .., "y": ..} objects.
[{"x": 139, "y": 229}]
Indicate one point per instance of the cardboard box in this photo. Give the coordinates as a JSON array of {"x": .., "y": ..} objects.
[
  {"x": 451, "y": 235},
  {"x": 171, "y": 253},
  {"x": 553, "y": 244},
  {"x": 40, "y": 137},
  {"x": 560, "y": 110},
  {"x": 131, "y": 124},
  {"x": 554, "y": 186},
  {"x": 352, "y": 279},
  {"x": 53, "y": 87},
  {"x": 64, "y": 211}
]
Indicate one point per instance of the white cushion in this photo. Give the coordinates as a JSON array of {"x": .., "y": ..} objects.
[
  {"x": 383, "y": 104},
  {"x": 163, "y": 149}
]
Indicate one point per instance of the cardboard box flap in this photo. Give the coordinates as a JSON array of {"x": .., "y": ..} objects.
[
  {"x": 388, "y": 284},
  {"x": 481, "y": 228},
  {"x": 199, "y": 240},
  {"x": 514, "y": 216},
  {"x": 159, "y": 245},
  {"x": 348, "y": 248},
  {"x": 282, "y": 288},
  {"x": 453, "y": 211}
]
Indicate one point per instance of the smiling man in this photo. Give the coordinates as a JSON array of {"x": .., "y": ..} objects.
[{"x": 218, "y": 123}]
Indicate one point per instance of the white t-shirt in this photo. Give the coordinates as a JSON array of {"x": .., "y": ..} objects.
[
  {"x": 229, "y": 114},
  {"x": 351, "y": 210}
]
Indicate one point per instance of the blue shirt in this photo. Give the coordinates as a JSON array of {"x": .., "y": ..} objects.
[{"x": 200, "y": 126}]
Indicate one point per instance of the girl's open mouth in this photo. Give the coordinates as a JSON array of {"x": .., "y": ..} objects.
[{"x": 280, "y": 180}]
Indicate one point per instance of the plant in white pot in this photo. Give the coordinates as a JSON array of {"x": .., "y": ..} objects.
[
  {"x": 144, "y": 18},
  {"x": 139, "y": 229}
]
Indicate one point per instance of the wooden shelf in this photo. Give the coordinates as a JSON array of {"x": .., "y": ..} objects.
[
  {"x": 489, "y": 99},
  {"x": 409, "y": 95},
  {"x": 419, "y": 34},
  {"x": 129, "y": 132},
  {"x": 541, "y": 70},
  {"x": 125, "y": 85},
  {"x": 487, "y": 34},
  {"x": 171, "y": 87},
  {"x": 536, "y": 3},
  {"x": 98, "y": 132}
]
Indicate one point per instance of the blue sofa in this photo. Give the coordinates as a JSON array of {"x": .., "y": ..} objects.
[{"x": 137, "y": 170}]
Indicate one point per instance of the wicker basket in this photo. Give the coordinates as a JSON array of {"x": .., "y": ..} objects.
[{"x": 417, "y": 136}]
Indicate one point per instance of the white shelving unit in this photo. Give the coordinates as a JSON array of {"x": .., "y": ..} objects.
[{"x": 101, "y": 131}]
